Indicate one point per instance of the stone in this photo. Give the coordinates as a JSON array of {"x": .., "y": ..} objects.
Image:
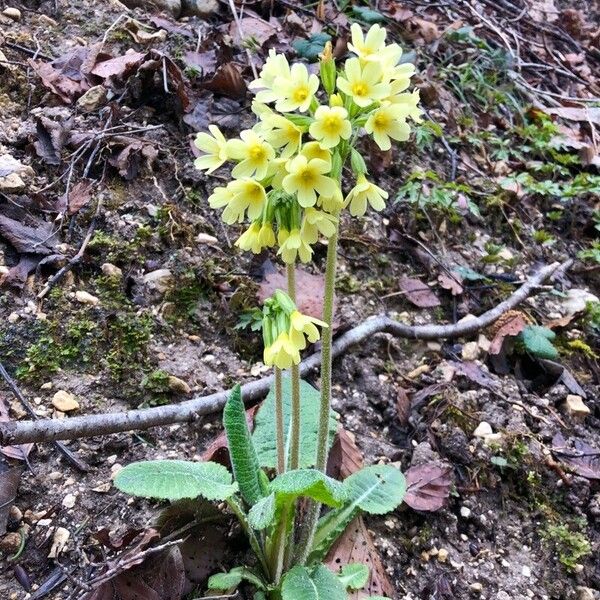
[
  {"x": 86, "y": 298},
  {"x": 483, "y": 430},
  {"x": 64, "y": 401},
  {"x": 586, "y": 593},
  {"x": 476, "y": 587},
  {"x": 59, "y": 541},
  {"x": 93, "y": 99},
  {"x": 199, "y": 8},
  {"x": 111, "y": 270},
  {"x": 69, "y": 501},
  {"x": 13, "y": 174},
  {"x": 13, "y": 317},
  {"x": 526, "y": 571},
  {"x": 471, "y": 351},
  {"x": 505, "y": 254},
  {"x": 171, "y": 7},
  {"x": 159, "y": 280},
  {"x": 12, "y": 183},
  {"x": 465, "y": 512},
  {"x": 10, "y": 543},
  {"x": 12, "y": 13},
  {"x": 178, "y": 385},
  {"x": 442, "y": 555},
  {"x": 205, "y": 238},
  {"x": 576, "y": 408},
  {"x": 46, "y": 386}
]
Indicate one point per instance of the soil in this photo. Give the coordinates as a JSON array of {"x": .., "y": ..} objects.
[{"x": 510, "y": 527}]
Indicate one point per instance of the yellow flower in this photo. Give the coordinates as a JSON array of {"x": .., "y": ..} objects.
[
  {"x": 281, "y": 133},
  {"x": 214, "y": 147},
  {"x": 363, "y": 84},
  {"x": 330, "y": 125},
  {"x": 249, "y": 240},
  {"x": 332, "y": 204},
  {"x": 296, "y": 91},
  {"x": 368, "y": 47},
  {"x": 388, "y": 121},
  {"x": 364, "y": 191},
  {"x": 254, "y": 154},
  {"x": 282, "y": 353},
  {"x": 301, "y": 326},
  {"x": 276, "y": 66},
  {"x": 277, "y": 171},
  {"x": 315, "y": 222},
  {"x": 238, "y": 197},
  {"x": 410, "y": 103},
  {"x": 315, "y": 150},
  {"x": 306, "y": 178},
  {"x": 292, "y": 245}
]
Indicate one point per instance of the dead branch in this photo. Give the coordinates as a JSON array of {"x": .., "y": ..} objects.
[{"x": 48, "y": 430}]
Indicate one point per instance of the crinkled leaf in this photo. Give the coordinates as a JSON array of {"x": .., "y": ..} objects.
[
  {"x": 312, "y": 47},
  {"x": 176, "y": 479},
  {"x": 368, "y": 15},
  {"x": 354, "y": 576},
  {"x": 428, "y": 486},
  {"x": 264, "y": 436},
  {"x": 261, "y": 515},
  {"x": 226, "y": 581},
  {"x": 319, "y": 583},
  {"x": 310, "y": 483},
  {"x": 538, "y": 341},
  {"x": 377, "y": 489},
  {"x": 244, "y": 461}
]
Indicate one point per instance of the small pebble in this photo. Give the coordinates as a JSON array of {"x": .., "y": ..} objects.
[
  {"x": 86, "y": 298},
  {"x": 12, "y": 13}
]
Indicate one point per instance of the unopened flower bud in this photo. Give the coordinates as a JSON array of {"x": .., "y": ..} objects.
[
  {"x": 357, "y": 162},
  {"x": 327, "y": 69},
  {"x": 336, "y": 100}
]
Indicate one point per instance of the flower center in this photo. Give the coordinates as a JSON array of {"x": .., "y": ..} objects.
[
  {"x": 307, "y": 176},
  {"x": 257, "y": 153},
  {"x": 332, "y": 124},
  {"x": 300, "y": 94},
  {"x": 381, "y": 121},
  {"x": 360, "y": 89}
]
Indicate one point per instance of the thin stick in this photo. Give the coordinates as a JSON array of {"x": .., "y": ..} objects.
[
  {"x": 47, "y": 430},
  {"x": 238, "y": 24},
  {"x": 74, "y": 460}
]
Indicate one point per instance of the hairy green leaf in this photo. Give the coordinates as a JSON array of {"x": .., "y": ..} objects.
[
  {"x": 261, "y": 515},
  {"x": 312, "y": 47},
  {"x": 318, "y": 583},
  {"x": 310, "y": 483},
  {"x": 243, "y": 455},
  {"x": 264, "y": 436},
  {"x": 354, "y": 576},
  {"x": 377, "y": 489},
  {"x": 368, "y": 15},
  {"x": 538, "y": 341},
  {"x": 227, "y": 581},
  {"x": 176, "y": 479}
]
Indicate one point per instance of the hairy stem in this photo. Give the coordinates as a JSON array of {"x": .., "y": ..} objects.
[
  {"x": 279, "y": 424},
  {"x": 295, "y": 433}
]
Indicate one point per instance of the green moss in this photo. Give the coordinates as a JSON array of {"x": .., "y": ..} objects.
[
  {"x": 129, "y": 335},
  {"x": 569, "y": 541},
  {"x": 156, "y": 384}
]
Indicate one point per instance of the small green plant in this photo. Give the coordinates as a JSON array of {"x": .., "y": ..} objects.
[
  {"x": 290, "y": 189},
  {"x": 570, "y": 542}
]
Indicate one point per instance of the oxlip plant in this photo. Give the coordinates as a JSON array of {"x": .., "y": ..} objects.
[{"x": 287, "y": 185}]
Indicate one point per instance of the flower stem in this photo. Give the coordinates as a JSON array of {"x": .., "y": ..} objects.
[
  {"x": 279, "y": 423},
  {"x": 295, "y": 428}
]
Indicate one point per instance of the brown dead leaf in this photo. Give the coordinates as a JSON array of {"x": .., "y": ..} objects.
[
  {"x": 345, "y": 458},
  {"x": 509, "y": 325},
  {"x": 587, "y": 114},
  {"x": 578, "y": 455},
  {"x": 310, "y": 289},
  {"x": 130, "y": 154},
  {"x": 227, "y": 81},
  {"x": 37, "y": 237},
  {"x": 418, "y": 293},
  {"x": 20, "y": 452},
  {"x": 356, "y": 546},
  {"x": 121, "y": 66},
  {"x": 403, "y": 406},
  {"x": 79, "y": 196},
  {"x": 9, "y": 484},
  {"x": 452, "y": 283},
  {"x": 254, "y": 28},
  {"x": 426, "y": 30},
  {"x": 51, "y": 137},
  {"x": 428, "y": 486},
  {"x": 142, "y": 34}
]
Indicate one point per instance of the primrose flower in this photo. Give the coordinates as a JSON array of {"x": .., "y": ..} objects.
[
  {"x": 368, "y": 47},
  {"x": 315, "y": 222},
  {"x": 281, "y": 133},
  {"x": 276, "y": 66},
  {"x": 296, "y": 91},
  {"x": 330, "y": 125},
  {"x": 363, "y": 84},
  {"x": 388, "y": 121},
  {"x": 301, "y": 326},
  {"x": 410, "y": 102},
  {"x": 249, "y": 240},
  {"x": 315, "y": 150},
  {"x": 292, "y": 245},
  {"x": 253, "y": 152},
  {"x": 282, "y": 353},
  {"x": 306, "y": 178},
  {"x": 364, "y": 191},
  {"x": 238, "y": 197},
  {"x": 332, "y": 204},
  {"x": 215, "y": 148}
]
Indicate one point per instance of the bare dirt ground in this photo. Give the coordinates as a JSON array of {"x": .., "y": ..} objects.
[{"x": 99, "y": 105}]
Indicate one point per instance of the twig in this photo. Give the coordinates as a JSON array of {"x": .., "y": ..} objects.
[
  {"x": 74, "y": 460},
  {"x": 238, "y": 24},
  {"x": 15, "y": 432}
]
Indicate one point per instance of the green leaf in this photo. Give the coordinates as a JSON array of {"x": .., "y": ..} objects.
[
  {"x": 310, "y": 483},
  {"x": 538, "y": 341},
  {"x": 243, "y": 455},
  {"x": 264, "y": 436},
  {"x": 261, "y": 515},
  {"x": 318, "y": 583},
  {"x": 377, "y": 489},
  {"x": 312, "y": 47},
  {"x": 227, "y": 581},
  {"x": 176, "y": 479},
  {"x": 354, "y": 576},
  {"x": 368, "y": 15}
]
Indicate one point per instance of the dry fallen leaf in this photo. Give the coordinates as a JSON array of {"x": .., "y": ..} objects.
[
  {"x": 578, "y": 455},
  {"x": 418, "y": 293},
  {"x": 228, "y": 81},
  {"x": 509, "y": 325},
  {"x": 345, "y": 458},
  {"x": 428, "y": 486},
  {"x": 451, "y": 283}
]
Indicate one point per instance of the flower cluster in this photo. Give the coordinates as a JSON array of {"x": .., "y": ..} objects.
[
  {"x": 287, "y": 176},
  {"x": 286, "y": 331}
]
